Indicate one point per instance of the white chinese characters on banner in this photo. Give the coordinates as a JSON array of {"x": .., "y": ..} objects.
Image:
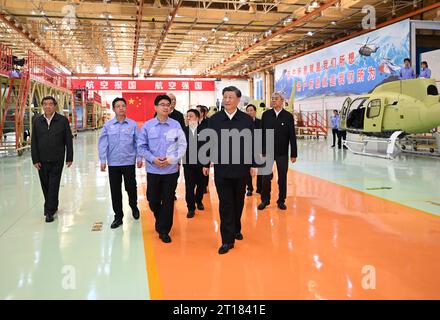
[
  {"x": 90, "y": 85},
  {"x": 103, "y": 85},
  {"x": 158, "y": 85},
  {"x": 131, "y": 85},
  {"x": 118, "y": 85},
  {"x": 198, "y": 85},
  {"x": 185, "y": 85},
  {"x": 172, "y": 85}
]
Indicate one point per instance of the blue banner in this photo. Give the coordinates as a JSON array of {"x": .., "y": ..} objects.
[{"x": 355, "y": 66}]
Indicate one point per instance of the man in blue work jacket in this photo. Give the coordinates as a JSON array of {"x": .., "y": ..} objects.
[
  {"x": 162, "y": 144},
  {"x": 118, "y": 149}
]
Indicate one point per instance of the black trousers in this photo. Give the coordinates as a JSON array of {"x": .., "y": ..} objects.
[
  {"x": 50, "y": 177},
  {"x": 341, "y": 135},
  {"x": 282, "y": 167},
  {"x": 160, "y": 195},
  {"x": 193, "y": 185},
  {"x": 335, "y": 135},
  {"x": 250, "y": 187},
  {"x": 205, "y": 182},
  {"x": 115, "y": 174},
  {"x": 231, "y": 195}
]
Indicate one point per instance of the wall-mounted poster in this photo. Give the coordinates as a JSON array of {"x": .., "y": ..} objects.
[
  {"x": 79, "y": 117},
  {"x": 355, "y": 66}
]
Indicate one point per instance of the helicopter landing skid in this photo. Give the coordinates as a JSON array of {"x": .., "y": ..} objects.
[{"x": 365, "y": 145}]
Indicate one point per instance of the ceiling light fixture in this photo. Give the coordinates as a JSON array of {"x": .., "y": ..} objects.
[{"x": 314, "y": 4}]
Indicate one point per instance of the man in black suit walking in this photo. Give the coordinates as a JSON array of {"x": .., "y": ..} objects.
[
  {"x": 51, "y": 143},
  {"x": 282, "y": 122},
  {"x": 251, "y": 110},
  {"x": 192, "y": 168},
  {"x": 233, "y": 164}
]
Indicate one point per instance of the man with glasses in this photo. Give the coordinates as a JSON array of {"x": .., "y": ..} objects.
[
  {"x": 162, "y": 144},
  {"x": 282, "y": 122},
  {"x": 174, "y": 114}
]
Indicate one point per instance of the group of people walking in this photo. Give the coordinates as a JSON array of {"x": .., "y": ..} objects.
[{"x": 164, "y": 144}]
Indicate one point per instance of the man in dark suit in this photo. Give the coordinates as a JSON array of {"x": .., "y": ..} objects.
[
  {"x": 51, "y": 143},
  {"x": 176, "y": 114},
  {"x": 282, "y": 122},
  {"x": 203, "y": 110},
  {"x": 251, "y": 110},
  {"x": 233, "y": 164},
  {"x": 192, "y": 168}
]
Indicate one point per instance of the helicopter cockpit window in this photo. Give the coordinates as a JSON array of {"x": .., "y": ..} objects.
[
  {"x": 432, "y": 90},
  {"x": 373, "y": 109}
]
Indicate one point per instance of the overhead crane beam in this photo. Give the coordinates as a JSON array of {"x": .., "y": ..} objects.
[
  {"x": 164, "y": 34},
  {"x": 138, "y": 26}
]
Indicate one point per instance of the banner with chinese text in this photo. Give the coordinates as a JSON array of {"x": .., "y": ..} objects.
[
  {"x": 355, "y": 66},
  {"x": 144, "y": 85}
]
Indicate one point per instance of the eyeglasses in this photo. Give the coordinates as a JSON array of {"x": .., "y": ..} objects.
[{"x": 163, "y": 105}]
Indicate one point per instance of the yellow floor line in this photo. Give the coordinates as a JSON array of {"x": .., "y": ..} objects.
[{"x": 151, "y": 264}]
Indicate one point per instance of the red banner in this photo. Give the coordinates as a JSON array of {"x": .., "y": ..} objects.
[
  {"x": 144, "y": 85},
  {"x": 140, "y": 106}
]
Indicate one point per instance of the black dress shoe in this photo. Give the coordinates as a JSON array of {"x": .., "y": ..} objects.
[
  {"x": 116, "y": 223},
  {"x": 200, "y": 206},
  {"x": 190, "y": 214},
  {"x": 258, "y": 191},
  {"x": 136, "y": 213},
  {"x": 225, "y": 248},
  {"x": 262, "y": 205},
  {"x": 165, "y": 237},
  {"x": 49, "y": 218},
  {"x": 249, "y": 193},
  {"x": 282, "y": 206},
  {"x": 239, "y": 236},
  {"x": 332, "y": 146}
]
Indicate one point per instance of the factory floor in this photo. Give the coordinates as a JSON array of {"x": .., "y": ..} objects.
[{"x": 355, "y": 228}]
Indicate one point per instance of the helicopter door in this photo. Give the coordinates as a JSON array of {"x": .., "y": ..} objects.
[
  {"x": 374, "y": 116},
  {"x": 344, "y": 112}
]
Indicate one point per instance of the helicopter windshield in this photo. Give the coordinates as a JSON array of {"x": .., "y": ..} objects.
[{"x": 358, "y": 103}]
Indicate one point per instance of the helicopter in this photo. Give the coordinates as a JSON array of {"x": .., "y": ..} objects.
[
  {"x": 368, "y": 48},
  {"x": 406, "y": 106}
]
